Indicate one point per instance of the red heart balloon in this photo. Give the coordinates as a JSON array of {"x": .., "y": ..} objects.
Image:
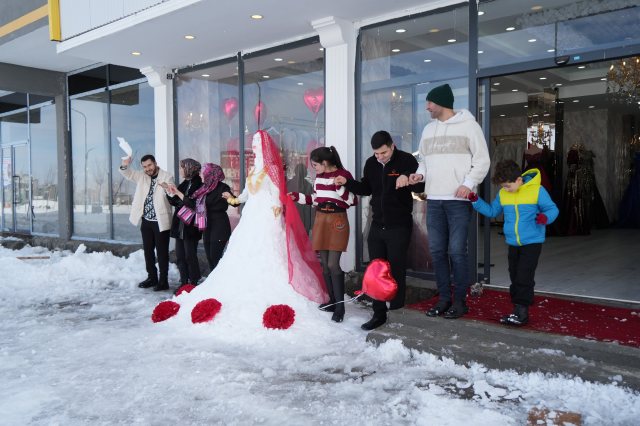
[
  {"x": 230, "y": 108},
  {"x": 314, "y": 99},
  {"x": 260, "y": 113},
  {"x": 378, "y": 282}
]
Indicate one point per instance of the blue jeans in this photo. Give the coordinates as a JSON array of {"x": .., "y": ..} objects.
[{"x": 448, "y": 226}]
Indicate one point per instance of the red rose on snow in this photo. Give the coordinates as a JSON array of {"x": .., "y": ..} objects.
[
  {"x": 164, "y": 311},
  {"x": 279, "y": 317},
  {"x": 185, "y": 289},
  {"x": 205, "y": 310}
]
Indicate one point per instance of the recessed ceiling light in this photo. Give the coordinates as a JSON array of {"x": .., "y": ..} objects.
[
  {"x": 235, "y": 73},
  {"x": 576, "y": 100},
  {"x": 581, "y": 67},
  {"x": 514, "y": 90},
  {"x": 533, "y": 40},
  {"x": 510, "y": 28},
  {"x": 189, "y": 37},
  {"x": 256, "y": 16},
  {"x": 592, "y": 106},
  {"x": 480, "y": 51},
  {"x": 434, "y": 30},
  {"x": 536, "y": 8},
  {"x": 427, "y": 60},
  {"x": 559, "y": 84},
  {"x": 401, "y": 30},
  {"x": 551, "y": 50},
  {"x": 278, "y": 59},
  {"x": 395, "y": 50},
  {"x": 291, "y": 62},
  {"x": 480, "y": 13},
  {"x": 452, "y": 40},
  {"x": 526, "y": 106},
  {"x": 501, "y": 115},
  {"x": 136, "y": 53},
  {"x": 603, "y": 79},
  {"x": 205, "y": 75},
  {"x": 300, "y": 84},
  {"x": 322, "y": 48},
  {"x": 265, "y": 76},
  {"x": 496, "y": 84},
  {"x": 543, "y": 78}
]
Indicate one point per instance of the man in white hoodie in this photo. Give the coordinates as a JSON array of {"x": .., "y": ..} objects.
[{"x": 454, "y": 159}]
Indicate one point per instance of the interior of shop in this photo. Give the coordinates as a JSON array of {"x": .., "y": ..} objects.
[{"x": 575, "y": 125}]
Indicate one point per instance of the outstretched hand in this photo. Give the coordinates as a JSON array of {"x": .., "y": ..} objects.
[
  {"x": 415, "y": 178},
  {"x": 226, "y": 195},
  {"x": 339, "y": 180},
  {"x": 402, "y": 181},
  {"x": 126, "y": 162}
]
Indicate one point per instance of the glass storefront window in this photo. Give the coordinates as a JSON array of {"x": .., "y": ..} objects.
[
  {"x": 401, "y": 63},
  {"x": 10, "y": 101},
  {"x": 14, "y": 130},
  {"x": 90, "y": 162},
  {"x": 87, "y": 81},
  {"x": 208, "y": 125},
  {"x": 515, "y": 31},
  {"x": 284, "y": 95},
  {"x": 44, "y": 169},
  {"x": 132, "y": 119}
]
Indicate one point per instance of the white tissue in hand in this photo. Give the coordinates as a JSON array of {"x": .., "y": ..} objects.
[{"x": 126, "y": 147}]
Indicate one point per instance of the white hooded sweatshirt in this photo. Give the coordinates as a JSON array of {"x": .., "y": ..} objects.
[{"x": 453, "y": 153}]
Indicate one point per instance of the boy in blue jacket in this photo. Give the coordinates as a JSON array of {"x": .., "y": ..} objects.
[{"x": 527, "y": 209}]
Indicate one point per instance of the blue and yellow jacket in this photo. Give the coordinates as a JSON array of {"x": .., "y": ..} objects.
[{"x": 520, "y": 209}]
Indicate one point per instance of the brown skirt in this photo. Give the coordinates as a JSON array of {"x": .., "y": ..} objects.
[{"x": 331, "y": 231}]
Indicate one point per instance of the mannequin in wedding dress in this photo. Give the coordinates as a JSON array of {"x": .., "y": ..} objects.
[{"x": 260, "y": 268}]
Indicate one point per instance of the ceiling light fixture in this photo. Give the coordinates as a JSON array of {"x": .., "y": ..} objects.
[
  {"x": 265, "y": 76},
  {"x": 136, "y": 53},
  {"x": 510, "y": 28},
  {"x": 427, "y": 60},
  {"x": 576, "y": 100},
  {"x": 543, "y": 78},
  {"x": 278, "y": 59},
  {"x": 452, "y": 40},
  {"x": 189, "y": 37},
  {"x": 395, "y": 50},
  {"x": 291, "y": 62},
  {"x": 257, "y": 16},
  {"x": 300, "y": 84},
  {"x": 514, "y": 90},
  {"x": 480, "y": 13},
  {"x": 205, "y": 75},
  {"x": 559, "y": 84},
  {"x": 592, "y": 106},
  {"x": 536, "y": 8},
  {"x": 435, "y": 30},
  {"x": 501, "y": 115},
  {"x": 581, "y": 67},
  {"x": 401, "y": 31},
  {"x": 533, "y": 40},
  {"x": 322, "y": 48},
  {"x": 526, "y": 106},
  {"x": 480, "y": 51},
  {"x": 551, "y": 50},
  {"x": 603, "y": 79},
  {"x": 496, "y": 84}
]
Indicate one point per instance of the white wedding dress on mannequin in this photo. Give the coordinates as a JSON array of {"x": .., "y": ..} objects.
[{"x": 253, "y": 274}]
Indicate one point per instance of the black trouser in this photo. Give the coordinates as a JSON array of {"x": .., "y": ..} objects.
[
  {"x": 153, "y": 239},
  {"x": 188, "y": 265},
  {"x": 214, "y": 250},
  {"x": 523, "y": 261},
  {"x": 391, "y": 245}
]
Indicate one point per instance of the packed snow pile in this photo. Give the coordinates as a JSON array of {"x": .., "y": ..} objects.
[{"x": 78, "y": 346}]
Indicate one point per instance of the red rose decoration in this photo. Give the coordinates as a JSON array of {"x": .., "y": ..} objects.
[
  {"x": 205, "y": 310},
  {"x": 185, "y": 289},
  {"x": 279, "y": 316},
  {"x": 164, "y": 311}
]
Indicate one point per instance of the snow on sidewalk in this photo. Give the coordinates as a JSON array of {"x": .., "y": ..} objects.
[{"x": 67, "y": 362}]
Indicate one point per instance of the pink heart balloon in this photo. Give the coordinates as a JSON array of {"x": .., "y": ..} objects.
[
  {"x": 260, "y": 113},
  {"x": 230, "y": 108},
  {"x": 314, "y": 99}
]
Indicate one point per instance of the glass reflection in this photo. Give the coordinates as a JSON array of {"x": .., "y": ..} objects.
[{"x": 44, "y": 173}]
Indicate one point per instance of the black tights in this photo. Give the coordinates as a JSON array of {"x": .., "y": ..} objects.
[{"x": 331, "y": 262}]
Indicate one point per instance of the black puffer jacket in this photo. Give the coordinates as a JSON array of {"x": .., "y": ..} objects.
[{"x": 178, "y": 228}]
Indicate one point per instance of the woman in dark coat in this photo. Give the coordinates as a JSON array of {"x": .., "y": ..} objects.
[
  {"x": 210, "y": 211},
  {"x": 186, "y": 236}
]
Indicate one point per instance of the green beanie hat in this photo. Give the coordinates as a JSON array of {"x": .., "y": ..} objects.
[{"x": 441, "y": 95}]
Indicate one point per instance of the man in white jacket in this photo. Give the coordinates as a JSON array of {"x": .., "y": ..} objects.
[{"x": 454, "y": 160}]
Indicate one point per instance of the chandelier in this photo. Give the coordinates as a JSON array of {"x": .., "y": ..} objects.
[
  {"x": 623, "y": 81},
  {"x": 194, "y": 124},
  {"x": 540, "y": 136},
  {"x": 396, "y": 102}
]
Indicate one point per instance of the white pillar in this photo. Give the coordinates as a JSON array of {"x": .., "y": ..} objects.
[
  {"x": 338, "y": 37},
  {"x": 163, "y": 115}
]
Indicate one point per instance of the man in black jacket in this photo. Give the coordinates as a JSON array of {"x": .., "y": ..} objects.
[{"x": 386, "y": 179}]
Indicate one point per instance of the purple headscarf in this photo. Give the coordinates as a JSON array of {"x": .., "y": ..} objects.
[{"x": 213, "y": 174}]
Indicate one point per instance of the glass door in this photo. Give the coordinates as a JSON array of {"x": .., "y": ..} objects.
[
  {"x": 7, "y": 190},
  {"x": 16, "y": 206}
]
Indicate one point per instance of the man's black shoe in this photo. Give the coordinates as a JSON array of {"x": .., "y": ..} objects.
[
  {"x": 374, "y": 323},
  {"x": 440, "y": 308},
  {"x": 162, "y": 285},
  {"x": 147, "y": 283},
  {"x": 458, "y": 309},
  {"x": 519, "y": 316}
]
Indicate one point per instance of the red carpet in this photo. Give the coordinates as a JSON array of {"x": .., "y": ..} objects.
[{"x": 552, "y": 315}]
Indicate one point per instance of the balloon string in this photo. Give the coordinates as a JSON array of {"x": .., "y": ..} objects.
[{"x": 353, "y": 299}]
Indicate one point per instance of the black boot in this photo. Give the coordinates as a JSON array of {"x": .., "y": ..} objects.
[
  {"x": 163, "y": 284},
  {"x": 440, "y": 308},
  {"x": 332, "y": 299},
  {"x": 181, "y": 284},
  {"x": 338, "y": 292},
  {"x": 149, "y": 282},
  {"x": 519, "y": 316},
  {"x": 457, "y": 309},
  {"x": 374, "y": 322}
]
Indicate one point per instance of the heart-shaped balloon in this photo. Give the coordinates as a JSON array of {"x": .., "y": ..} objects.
[
  {"x": 230, "y": 108},
  {"x": 378, "y": 282},
  {"x": 314, "y": 99},
  {"x": 260, "y": 113}
]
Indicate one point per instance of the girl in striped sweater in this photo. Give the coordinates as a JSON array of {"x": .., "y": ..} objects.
[{"x": 331, "y": 226}]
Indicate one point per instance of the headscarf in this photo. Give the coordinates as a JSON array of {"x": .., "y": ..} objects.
[
  {"x": 213, "y": 174},
  {"x": 191, "y": 168},
  {"x": 305, "y": 272}
]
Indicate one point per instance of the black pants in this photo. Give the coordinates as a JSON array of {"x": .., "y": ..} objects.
[
  {"x": 214, "y": 250},
  {"x": 188, "y": 265},
  {"x": 523, "y": 262},
  {"x": 153, "y": 239},
  {"x": 391, "y": 245}
]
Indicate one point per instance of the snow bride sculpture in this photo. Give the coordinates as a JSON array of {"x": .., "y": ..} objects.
[{"x": 269, "y": 260}]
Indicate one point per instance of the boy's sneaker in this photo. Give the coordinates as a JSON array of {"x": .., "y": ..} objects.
[
  {"x": 519, "y": 316},
  {"x": 458, "y": 309}
]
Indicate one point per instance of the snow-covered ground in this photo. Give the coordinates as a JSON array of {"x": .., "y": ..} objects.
[{"x": 77, "y": 346}]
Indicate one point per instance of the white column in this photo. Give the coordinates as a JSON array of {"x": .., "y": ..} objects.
[
  {"x": 338, "y": 37},
  {"x": 163, "y": 115}
]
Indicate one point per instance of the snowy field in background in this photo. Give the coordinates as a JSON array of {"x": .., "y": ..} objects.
[{"x": 77, "y": 346}]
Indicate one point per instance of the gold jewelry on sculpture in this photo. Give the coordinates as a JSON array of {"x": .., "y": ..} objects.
[
  {"x": 233, "y": 201},
  {"x": 276, "y": 211},
  {"x": 254, "y": 189}
]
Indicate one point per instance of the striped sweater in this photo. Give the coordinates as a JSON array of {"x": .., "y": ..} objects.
[{"x": 325, "y": 191}]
